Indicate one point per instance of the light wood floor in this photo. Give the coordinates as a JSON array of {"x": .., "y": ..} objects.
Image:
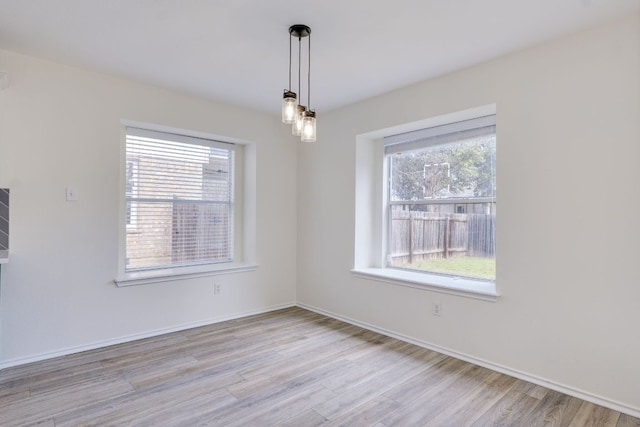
[{"x": 287, "y": 368}]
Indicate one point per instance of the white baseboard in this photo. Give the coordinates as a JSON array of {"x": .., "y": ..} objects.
[
  {"x": 580, "y": 394},
  {"x": 134, "y": 337}
]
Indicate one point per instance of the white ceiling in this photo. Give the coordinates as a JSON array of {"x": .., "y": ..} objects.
[{"x": 236, "y": 51}]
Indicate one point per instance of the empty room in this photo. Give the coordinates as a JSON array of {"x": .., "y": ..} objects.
[{"x": 278, "y": 213}]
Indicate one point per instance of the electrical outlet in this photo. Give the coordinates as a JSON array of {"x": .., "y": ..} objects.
[
  {"x": 72, "y": 194},
  {"x": 216, "y": 288},
  {"x": 436, "y": 309},
  {"x": 4, "y": 80}
]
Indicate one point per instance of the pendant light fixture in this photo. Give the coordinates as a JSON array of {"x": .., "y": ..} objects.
[{"x": 302, "y": 120}]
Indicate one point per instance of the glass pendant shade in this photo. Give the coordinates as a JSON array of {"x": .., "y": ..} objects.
[
  {"x": 296, "y": 128},
  {"x": 289, "y": 100},
  {"x": 308, "y": 127}
]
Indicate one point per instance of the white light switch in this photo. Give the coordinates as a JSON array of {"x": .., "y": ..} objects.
[
  {"x": 4, "y": 80},
  {"x": 72, "y": 195}
]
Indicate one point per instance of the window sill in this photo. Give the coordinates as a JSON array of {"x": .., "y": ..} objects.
[
  {"x": 460, "y": 286},
  {"x": 171, "y": 274}
]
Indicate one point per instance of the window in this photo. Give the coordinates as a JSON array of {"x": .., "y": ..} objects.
[
  {"x": 179, "y": 200},
  {"x": 441, "y": 199}
]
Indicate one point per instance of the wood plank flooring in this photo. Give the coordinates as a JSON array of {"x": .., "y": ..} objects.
[{"x": 290, "y": 367}]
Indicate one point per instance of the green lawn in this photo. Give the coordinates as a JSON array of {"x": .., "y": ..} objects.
[{"x": 483, "y": 268}]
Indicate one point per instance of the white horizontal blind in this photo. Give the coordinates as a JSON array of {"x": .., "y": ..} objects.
[
  {"x": 437, "y": 135},
  {"x": 179, "y": 200}
]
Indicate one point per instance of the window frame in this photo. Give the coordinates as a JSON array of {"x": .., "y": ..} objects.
[
  {"x": 243, "y": 218},
  {"x": 431, "y": 142},
  {"x": 370, "y": 249}
]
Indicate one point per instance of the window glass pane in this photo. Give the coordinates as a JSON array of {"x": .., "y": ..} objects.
[
  {"x": 447, "y": 224},
  {"x": 462, "y": 169}
]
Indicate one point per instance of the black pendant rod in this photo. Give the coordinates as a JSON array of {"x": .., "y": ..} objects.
[
  {"x": 299, "y": 53},
  {"x": 309, "y": 75},
  {"x": 301, "y": 31},
  {"x": 289, "y": 64}
]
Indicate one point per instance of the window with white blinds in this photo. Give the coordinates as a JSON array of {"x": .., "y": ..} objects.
[{"x": 179, "y": 200}]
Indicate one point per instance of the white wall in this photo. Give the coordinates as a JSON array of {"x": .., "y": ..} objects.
[
  {"x": 568, "y": 192},
  {"x": 61, "y": 126}
]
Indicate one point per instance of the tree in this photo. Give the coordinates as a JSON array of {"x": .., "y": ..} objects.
[
  {"x": 454, "y": 170},
  {"x": 485, "y": 183}
]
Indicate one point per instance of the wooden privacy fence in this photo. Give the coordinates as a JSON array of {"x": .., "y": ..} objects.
[
  {"x": 199, "y": 232},
  {"x": 418, "y": 236}
]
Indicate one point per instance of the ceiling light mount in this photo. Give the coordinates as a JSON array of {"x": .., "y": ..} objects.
[{"x": 299, "y": 31}]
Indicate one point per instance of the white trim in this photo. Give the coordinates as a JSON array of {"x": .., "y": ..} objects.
[
  {"x": 135, "y": 337},
  {"x": 181, "y": 131},
  {"x": 441, "y": 134},
  {"x": 179, "y": 273},
  {"x": 444, "y": 201},
  {"x": 580, "y": 394},
  {"x": 460, "y": 286},
  {"x": 456, "y": 116},
  {"x": 180, "y": 137}
]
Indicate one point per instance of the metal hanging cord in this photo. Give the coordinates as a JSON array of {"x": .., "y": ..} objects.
[
  {"x": 309, "y": 76},
  {"x": 299, "y": 67},
  {"x": 289, "y": 63}
]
